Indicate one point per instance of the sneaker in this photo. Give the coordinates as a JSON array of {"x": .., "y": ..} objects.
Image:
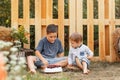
[{"x": 53, "y": 70}]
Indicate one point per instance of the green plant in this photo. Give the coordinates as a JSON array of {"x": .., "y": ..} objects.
[
  {"x": 21, "y": 34},
  {"x": 14, "y": 65}
]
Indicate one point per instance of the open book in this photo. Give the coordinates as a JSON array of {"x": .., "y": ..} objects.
[{"x": 53, "y": 69}]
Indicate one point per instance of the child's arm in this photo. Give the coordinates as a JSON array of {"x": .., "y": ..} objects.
[
  {"x": 89, "y": 57},
  {"x": 89, "y": 52},
  {"x": 60, "y": 54},
  {"x": 38, "y": 54}
]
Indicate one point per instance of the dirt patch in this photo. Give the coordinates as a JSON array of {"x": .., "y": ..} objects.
[{"x": 99, "y": 71}]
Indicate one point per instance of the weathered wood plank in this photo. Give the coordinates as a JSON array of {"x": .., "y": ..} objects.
[
  {"x": 26, "y": 13},
  {"x": 90, "y": 30},
  {"x": 61, "y": 21},
  {"x": 49, "y": 7},
  {"x": 79, "y": 17},
  {"x": 38, "y": 25},
  {"x": 14, "y": 13},
  {"x": 101, "y": 30},
  {"x": 112, "y": 28},
  {"x": 72, "y": 14}
]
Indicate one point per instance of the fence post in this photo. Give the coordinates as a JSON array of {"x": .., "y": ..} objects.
[{"x": 14, "y": 13}]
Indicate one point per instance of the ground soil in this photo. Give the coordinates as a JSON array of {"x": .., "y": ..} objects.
[{"x": 99, "y": 71}]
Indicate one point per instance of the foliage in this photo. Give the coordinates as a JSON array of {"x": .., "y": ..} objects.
[
  {"x": 14, "y": 65},
  {"x": 20, "y": 34},
  {"x": 32, "y": 37},
  {"x": 5, "y": 14},
  {"x": 117, "y": 9},
  {"x": 55, "y": 9}
]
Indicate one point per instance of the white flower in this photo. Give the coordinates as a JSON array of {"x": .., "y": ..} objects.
[
  {"x": 16, "y": 41},
  {"x": 17, "y": 68},
  {"x": 22, "y": 60},
  {"x": 6, "y": 59},
  {"x": 18, "y": 78},
  {"x": 9, "y": 43},
  {"x": 13, "y": 49},
  {"x": 24, "y": 66},
  {"x": 5, "y": 44},
  {"x": 13, "y": 57},
  {"x": 1, "y": 46},
  {"x": 5, "y": 53},
  {"x": 13, "y": 62}
]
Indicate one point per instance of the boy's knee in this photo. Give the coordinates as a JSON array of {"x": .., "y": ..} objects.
[
  {"x": 83, "y": 62},
  {"x": 76, "y": 58},
  {"x": 30, "y": 57}
]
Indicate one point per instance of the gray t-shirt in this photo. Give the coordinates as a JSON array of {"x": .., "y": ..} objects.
[{"x": 49, "y": 50}]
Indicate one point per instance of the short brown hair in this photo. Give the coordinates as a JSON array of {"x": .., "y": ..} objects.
[
  {"x": 51, "y": 28},
  {"x": 76, "y": 37}
]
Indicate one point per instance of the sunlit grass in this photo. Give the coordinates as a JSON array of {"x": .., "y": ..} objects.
[{"x": 43, "y": 76}]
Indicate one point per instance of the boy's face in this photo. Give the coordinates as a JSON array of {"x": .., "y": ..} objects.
[
  {"x": 74, "y": 44},
  {"x": 51, "y": 37}
]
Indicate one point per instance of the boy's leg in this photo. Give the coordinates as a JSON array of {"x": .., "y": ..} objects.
[
  {"x": 85, "y": 70},
  {"x": 30, "y": 61},
  {"x": 62, "y": 61},
  {"x": 78, "y": 63}
]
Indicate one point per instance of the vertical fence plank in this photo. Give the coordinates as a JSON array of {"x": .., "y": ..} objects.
[
  {"x": 101, "y": 30},
  {"x": 107, "y": 45},
  {"x": 106, "y": 9},
  {"x": 14, "y": 13},
  {"x": 72, "y": 14},
  {"x": 26, "y": 12},
  {"x": 43, "y": 9},
  {"x": 37, "y": 21},
  {"x": 61, "y": 20},
  {"x": 112, "y": 28},
  {"x": 49, "y": 5},
  {"x": 79, "y": 16},
  {"x": 90, "y": 24}
]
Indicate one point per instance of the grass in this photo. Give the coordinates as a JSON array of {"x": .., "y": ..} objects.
[
  {"x": 42, "y": 76},
  {"x": 99, "y": 71}
]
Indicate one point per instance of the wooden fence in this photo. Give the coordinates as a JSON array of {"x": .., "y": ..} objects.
[{"x": 106, "y": 22}]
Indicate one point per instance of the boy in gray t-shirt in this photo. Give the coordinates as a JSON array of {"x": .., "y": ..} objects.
[
  {"x": 49, "y": 51},
  {"x": 79, "y": 54}
]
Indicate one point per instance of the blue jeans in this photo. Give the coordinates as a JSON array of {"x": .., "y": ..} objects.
[{"x": 39, "y": 63}]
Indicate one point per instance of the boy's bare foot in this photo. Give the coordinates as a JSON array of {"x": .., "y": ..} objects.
[
  {"x": 33, "y": 71},
  {"x": 86, "y": 72},
  {"x": 72, "y": 67}
]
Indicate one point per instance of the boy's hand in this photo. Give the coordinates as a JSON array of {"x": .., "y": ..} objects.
[
  {"x": 89, "y": 57},
  {"x": 45, "y": 62}
]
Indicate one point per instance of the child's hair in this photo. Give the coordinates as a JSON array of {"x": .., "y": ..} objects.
[
  {"x": 51, "y": 28},
  {"x": 76, "y": 37}
]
